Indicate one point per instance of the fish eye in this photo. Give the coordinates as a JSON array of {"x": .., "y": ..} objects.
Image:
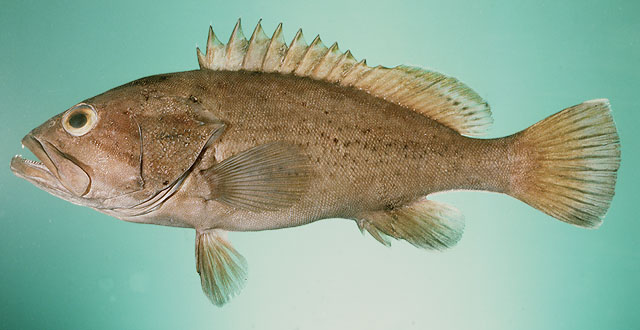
[{"x": 80, "y": 119}]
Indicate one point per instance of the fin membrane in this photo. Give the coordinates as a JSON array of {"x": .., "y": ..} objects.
[
  {"x": 223, "y": 271},
  {"x": 425, "y": 224},
  {"x": 432, "y": 94},
  {"x": 267, "y": 177},
  {"x": 573, "y": 159}
]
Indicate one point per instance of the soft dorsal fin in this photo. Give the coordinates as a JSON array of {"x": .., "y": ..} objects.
[{"x": 435, "y": 95}]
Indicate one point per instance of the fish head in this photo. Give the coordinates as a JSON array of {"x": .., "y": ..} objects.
[
  {"x": 119, "y": 149},
  {"x": 87, "y": 154}
]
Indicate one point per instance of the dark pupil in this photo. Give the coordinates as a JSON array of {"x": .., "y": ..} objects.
[{"x": 77, "y": 120}]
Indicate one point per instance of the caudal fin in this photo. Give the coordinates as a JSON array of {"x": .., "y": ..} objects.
[{"x": 571, "y": 162}]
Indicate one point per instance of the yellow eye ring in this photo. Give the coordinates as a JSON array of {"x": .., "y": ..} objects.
[{"x": 80, "y": 119}]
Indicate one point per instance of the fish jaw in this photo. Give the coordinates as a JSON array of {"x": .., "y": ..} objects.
[{"x": 42, "y": 173}]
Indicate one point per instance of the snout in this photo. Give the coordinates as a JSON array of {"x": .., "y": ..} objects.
[{"x": 52, "y": 164}]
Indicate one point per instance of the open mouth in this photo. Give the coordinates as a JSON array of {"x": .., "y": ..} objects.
[
  {"x": 42, "y": 173},
  {"x": 55, "y": 172}
]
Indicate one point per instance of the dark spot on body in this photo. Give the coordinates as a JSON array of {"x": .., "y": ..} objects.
[
  {"x": 335, "y": 140},
  {"x": 165, "y": 182}
]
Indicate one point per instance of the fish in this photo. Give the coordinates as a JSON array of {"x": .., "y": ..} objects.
[{"x": 266, "y": 135}]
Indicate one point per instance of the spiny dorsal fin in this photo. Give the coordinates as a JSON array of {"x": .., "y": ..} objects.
[{"x": 432, "y": 94}]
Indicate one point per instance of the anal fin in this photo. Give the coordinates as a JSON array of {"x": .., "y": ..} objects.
[
  {"x": 426, "y": 224},
  {"x": 223, "y": 271}
]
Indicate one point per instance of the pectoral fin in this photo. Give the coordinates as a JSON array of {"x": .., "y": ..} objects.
[
  {"x": 266, "y": 177},
  {"x": 426, "y": 224},
  {"x": 223, "y": 271}
]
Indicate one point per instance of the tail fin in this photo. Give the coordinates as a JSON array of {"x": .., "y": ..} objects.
[{"x": 572, "y": 158}]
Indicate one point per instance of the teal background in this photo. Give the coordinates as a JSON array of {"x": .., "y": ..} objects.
[{"x": 69, "y": 267}]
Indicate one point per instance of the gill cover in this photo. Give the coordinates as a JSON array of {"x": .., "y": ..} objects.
[{"x": 174, "y": 131}]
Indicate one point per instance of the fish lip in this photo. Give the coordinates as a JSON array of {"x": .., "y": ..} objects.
[{"x": 42, "y": 173}]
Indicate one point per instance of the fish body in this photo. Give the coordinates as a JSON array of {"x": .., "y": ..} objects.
[
  {"x": 266, "y": 136},
  {"x": 363, "y": 153}
]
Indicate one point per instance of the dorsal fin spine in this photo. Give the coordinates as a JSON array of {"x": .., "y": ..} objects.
[
  {"x": 310, "y": 58},
  {"x": 237, "y": 45},
  {"x": 275, "y": 54},
  {"x": 345, "y": 63},
  {"x": 355, "y": 73},
  {"x": 327, "y": 63},
  {"x": 294, "y": 53},
  {"x": 256, "y": 50}
]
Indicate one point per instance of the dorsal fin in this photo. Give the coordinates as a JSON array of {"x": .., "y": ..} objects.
[{"x": 432, "y": 94}]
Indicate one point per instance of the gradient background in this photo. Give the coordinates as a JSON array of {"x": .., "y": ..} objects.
[{"x": 68, "y": 267}]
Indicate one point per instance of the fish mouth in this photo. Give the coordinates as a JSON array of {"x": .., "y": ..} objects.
[{"x": 44, "y": 173}]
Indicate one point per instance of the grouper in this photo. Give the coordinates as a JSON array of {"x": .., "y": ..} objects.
[{"x": 267, "y": 135}]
